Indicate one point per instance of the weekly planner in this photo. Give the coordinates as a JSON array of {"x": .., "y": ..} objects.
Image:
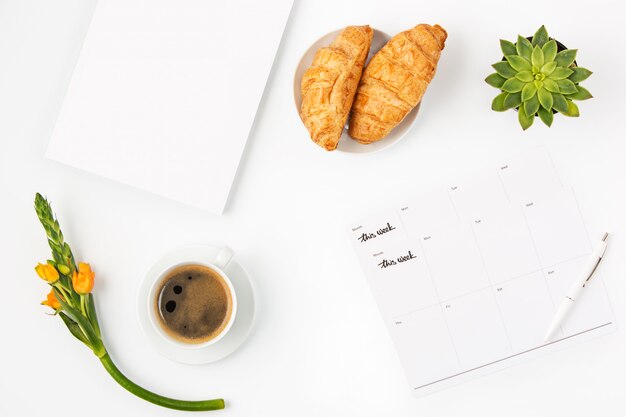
[{"x": 468, "y": 276}]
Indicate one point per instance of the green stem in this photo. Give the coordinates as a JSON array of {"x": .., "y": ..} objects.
[
  {"x": 142, "y": 393},
  {"x": 63, "y": 292},
  {"x": 82, "y": 306},
  {"x": 92, "y": 316}
]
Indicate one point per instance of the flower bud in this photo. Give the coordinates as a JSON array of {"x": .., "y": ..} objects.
[
  {"x": 51, "y": 301},
  {"x": 83, "y": 279},
  {"x": 64, "y": 269},
  {"x": 47, "y": 272}
]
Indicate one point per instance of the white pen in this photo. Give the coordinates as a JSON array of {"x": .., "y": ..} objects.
[{"x": 576, "y": 289}]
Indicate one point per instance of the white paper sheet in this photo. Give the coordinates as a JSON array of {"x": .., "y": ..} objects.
[
  {"x": 165, "y": 92},
  {"x": 468, "y": 277}
]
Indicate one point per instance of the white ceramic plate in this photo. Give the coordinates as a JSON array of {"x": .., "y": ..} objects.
[
  {"x": 245, "y": 307},
  {"x": 346, "y": 143}
]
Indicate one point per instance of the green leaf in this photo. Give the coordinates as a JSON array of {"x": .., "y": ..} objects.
[
  {"x": 580, "y": 74},
  {"x": 512, "y": 100},
  {"x": 538, "y": 84},
  {"x": 549, "y": 51},
  {"x": 525, "y": 76},
  {"x": 503, "y": 68},
  {"x": 545, "y": 98},
  {"x": 498, "y": 102},
  {"x": 508, "y": 48},
  {"x": 525, "y": 121},
  {"x": 559, "y": 103},
  {"x": 512, "y": 85},
  {"x": 572, "y": 109},
  {"x": 560, "y": 73},
  {"x": 495, "y": 80},
  {"x": 93, "y": 340},
  {"x": 566, "y": 58},
  {"x": 524, "y": 47},
  {"x": 74, "y": 328},
  {"x": 531, "y": 106},
  {"x": 581, "y": 94},
  {"x": 518, "y": 63},
  {"x": 537, "y": 57},
  {"x": 566, "y": 86},
  {"x": 551, "y": 85},
  {"x": 528, "y": 91},
  {"x": 540, "y": 37},
  {"x": 546, "y": 116},
  {"x": 548, "y": 68}
]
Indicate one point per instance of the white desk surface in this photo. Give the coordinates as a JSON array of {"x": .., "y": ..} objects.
[{"x": 319, "y": 346}]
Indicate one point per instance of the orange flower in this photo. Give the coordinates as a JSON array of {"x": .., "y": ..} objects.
[
  {"x": 82, "y": 280},
  {"x": 51, "y": 301},
  {"x": 47, "y": 272}
]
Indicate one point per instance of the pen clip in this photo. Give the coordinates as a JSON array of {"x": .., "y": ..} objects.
[
  {"x": 604, "y": 238},
  {"x": 592, "y": 271}
]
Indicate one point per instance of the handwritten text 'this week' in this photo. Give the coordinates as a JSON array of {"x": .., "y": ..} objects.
[
  {"x": 367, "y": 236},
  {"x": 386, "y": 263}
]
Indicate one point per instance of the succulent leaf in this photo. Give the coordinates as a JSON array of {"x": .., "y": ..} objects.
[
  {"x": 580, "y": 74},
  {"x": 548, "y": 68},
  {"x": 498, "y": 102},
  {"x": 560, "y": 73},
  {"x": 545, "y": 98},
  {"x": 524, "y": 47},
  {"x": 507, "y": 47},
  {"x": 581, "y": 94},
  {"x": 549, "y": 50},
  {"x": 528, "y": 91},
  {"x": 512, "y": 100},
  {"x": 540, "y": 37},
  {"x": 503, "y": 68},
  {"x": 495, "y": 80},
  {"x": 572, "y": 109},
  {"x": 559, "y": 103},
  {"x": 526, "y": 76},
  {"x": 566, "y": 87},
  {"x": 524, "y": 120},
  {"x": 551, "y": 86},
  {"x": 565, "y": 58},
  {"x": 531, "y": 106},
  {"x": 512, "y": 85},
  {"x": 538, "y": 84},
  {"x": 537, "y": 57},
  {"x": 546, "y": 116},
  {"x": 518, "y": 63}
]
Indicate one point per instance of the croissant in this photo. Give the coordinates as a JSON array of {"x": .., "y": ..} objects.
[
  {"x": 394, "y": 81},
  {"x": 329, "y": 85}
]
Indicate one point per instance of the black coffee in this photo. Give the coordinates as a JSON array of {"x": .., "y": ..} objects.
[{"x": 194, "y": 303}]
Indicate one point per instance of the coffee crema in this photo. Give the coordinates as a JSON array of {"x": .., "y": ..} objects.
[{"x": 194, "y": 303}]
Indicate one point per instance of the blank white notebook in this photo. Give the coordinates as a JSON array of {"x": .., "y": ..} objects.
[
  {"x": 165, "y": 92},
  {"x": 468, "y": 277}
]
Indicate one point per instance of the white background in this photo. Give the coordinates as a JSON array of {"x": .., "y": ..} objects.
[{"x": 319, "y": 346}]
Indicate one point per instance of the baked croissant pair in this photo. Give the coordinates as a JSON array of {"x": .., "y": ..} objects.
[{"x": 379, "y": 97}]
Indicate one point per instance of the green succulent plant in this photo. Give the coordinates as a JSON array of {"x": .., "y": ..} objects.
[{"x": 537, "y": 79}]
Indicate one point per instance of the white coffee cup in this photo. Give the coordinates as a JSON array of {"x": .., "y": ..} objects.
[{"x": 218, "y": 265}]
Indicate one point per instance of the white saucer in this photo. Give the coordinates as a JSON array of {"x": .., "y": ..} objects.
[
  {"x": 346, "y": 143},
  {"x": 245, "y": 307}
]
